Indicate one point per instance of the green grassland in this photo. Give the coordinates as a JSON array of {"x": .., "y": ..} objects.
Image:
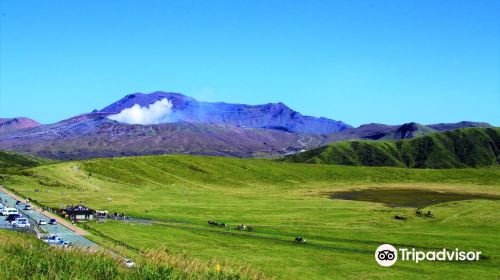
[
  {"x": 470, "y": 147},
  {"x": 280, "y": 200},
  {"x": 23, "y": 256}
]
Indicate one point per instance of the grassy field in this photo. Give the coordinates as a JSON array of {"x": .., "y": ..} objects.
[
  {"x": 23, "y": 256},
  {"x": 280, "y": 200}
]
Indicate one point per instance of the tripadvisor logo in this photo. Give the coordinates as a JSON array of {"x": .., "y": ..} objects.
[{"x": 387, "y": 255}]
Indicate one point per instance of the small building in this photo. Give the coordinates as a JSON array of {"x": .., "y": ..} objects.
[{"x": 80, "y": 213}]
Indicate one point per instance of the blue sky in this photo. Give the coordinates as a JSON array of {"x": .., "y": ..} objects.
[{"x": 356, "y": 61}]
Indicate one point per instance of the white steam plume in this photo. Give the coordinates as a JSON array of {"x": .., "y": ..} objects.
[{"x": 158, "y": 112}]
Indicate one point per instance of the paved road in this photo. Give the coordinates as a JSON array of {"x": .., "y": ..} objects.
[
  {"x": 306, "y": 143},
  {"x": 4, "y": 224},
  {"x": 60, "y": 230}
]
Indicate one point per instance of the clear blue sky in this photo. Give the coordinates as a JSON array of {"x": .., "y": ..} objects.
[{"x": 385, "y": 61}]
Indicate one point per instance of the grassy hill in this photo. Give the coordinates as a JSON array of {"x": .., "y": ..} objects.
[
  {"x": 11, "y": 162},
  {"x": 470, "y": 147},
  {"x": 176, "y": 196},
  {"x": 11, "y": 159},
  {"x": 23, "y": 256}
]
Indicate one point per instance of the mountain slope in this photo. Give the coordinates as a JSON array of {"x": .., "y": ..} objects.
[
  {"x": 271, "y": 115},
  {"x": 452, "y": 126},
  {"x": 13, "y": 124},
  {"x": 471, "y": 147},
  {"x": 94, "y": 135}
]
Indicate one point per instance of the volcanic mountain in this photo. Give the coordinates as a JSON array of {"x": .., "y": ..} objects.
[
  {"x": 272, "y": 115},
  {"x": 165, "y": 122},
  {"x": 184, "y": 126}
]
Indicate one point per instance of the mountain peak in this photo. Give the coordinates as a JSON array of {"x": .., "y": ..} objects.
[
  {"x": 412, "y": 129},
  {"x": 12, "y": 124},
  {"x": 411, "y": 126},
  {"x": 145, "y": 99},
  {"x": 182, "y": 108}
]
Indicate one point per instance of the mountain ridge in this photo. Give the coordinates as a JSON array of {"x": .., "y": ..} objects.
[
  {"x": 269, "y": 115},
  {"x": 13, "y": 124},
  {"x": 377, "y": 131},
  {"x": 460, "y": 148},
  {"x": 204, "y": 128}
]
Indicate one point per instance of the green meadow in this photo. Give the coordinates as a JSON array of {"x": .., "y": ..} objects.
[
  {"x": 23, "y": 256},
  {"x": 280, "y": 200}
]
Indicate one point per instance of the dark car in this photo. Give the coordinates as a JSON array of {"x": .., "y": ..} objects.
[
  {"x": 12, "y": 217},
  {"x": 27, "y": 207},
  {"x": 52, "y": 222},
  {"x": 18, "y": 202}
]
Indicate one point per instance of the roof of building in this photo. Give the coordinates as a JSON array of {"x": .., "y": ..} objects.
[{"x": 79, "y": 209}]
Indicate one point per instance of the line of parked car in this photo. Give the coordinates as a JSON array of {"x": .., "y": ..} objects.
[{"x": 17, "y": 220}]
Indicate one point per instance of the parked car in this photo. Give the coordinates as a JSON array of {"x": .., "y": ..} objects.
[
  {"x": 13, "y": 217},
  {"x": 27, "y": 207},
  {"x": 52, "y": 222},
  {"x": 42, "y": 222},
  {"x": 21, "y": 223},
  {"x": 2, "y": 206}
]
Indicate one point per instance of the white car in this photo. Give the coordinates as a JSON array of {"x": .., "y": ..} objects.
[
  {"x": 42, "y": 222},
  {"x": 56, "y": 240},
  {"x": 21, "y": 223},
  {"x": 8, "y": 211}
]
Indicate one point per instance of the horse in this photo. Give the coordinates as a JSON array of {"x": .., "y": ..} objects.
[{"x": 299, "y": 239}]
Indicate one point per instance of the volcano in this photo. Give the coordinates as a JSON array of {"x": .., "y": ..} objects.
[
  {"x": 187, "y": 127},
  {"x": 270, "y": 116}
]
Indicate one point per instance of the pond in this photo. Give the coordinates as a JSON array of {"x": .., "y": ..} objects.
[{"x": 415, "y": 198}]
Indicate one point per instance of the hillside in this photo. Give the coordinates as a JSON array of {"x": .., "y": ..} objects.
[
  {"x": 470, "y": 147},
  {"x": 11, "y": 161},
  {"x": 23, "y": 256}
]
